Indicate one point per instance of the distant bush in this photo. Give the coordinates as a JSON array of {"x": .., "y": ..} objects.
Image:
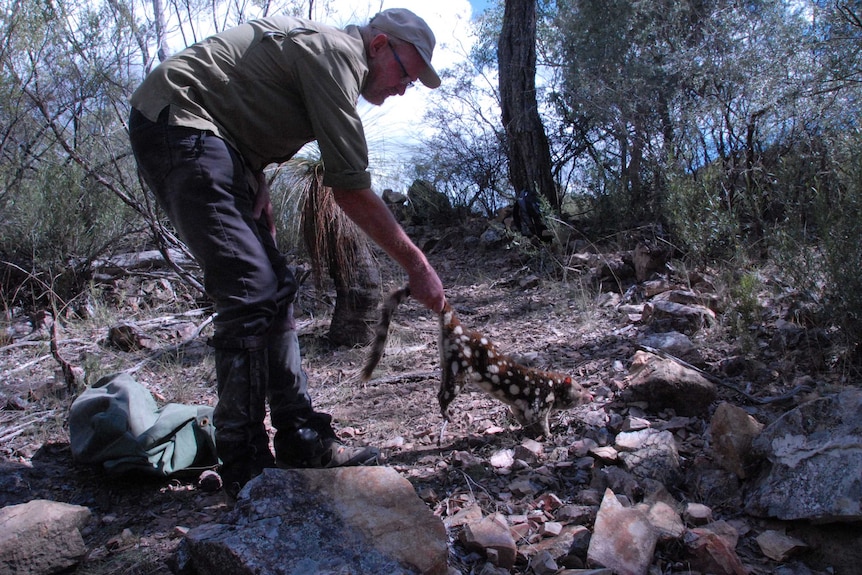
[
  {"x": 699, "y": 217},
  {"x": 800, "y": 208},
  {"x": 839, "y": 217},
  {"x": 56, "y": 215}
]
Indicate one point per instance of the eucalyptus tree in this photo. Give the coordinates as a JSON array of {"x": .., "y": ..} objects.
[
  {"x": 753, "y": 118},
  {"x": 528, "y": 150},
  {"x": 617, "y": 84},
  {"x": 653, "y": 88}
]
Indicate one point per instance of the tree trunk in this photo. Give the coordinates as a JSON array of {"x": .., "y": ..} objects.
[
  {"x": 357, "y": 296},
  {"x": 334, "y": 241},
  {"x": 529, "y": 152},
  {"x": 161, "y": 32}
]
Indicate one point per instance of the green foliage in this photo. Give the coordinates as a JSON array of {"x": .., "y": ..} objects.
[
  {"x": 63, "y": 86},
  {"x": 58, "y": 214},
  {"x": 841, "y": 225},
  {"x": 655, "y": 103},
  {"x": 697, "y": 217},
  {"x": 466, "y": 155},
  {"x": 615, "y": 90},
  {"x": 745, "y": 311}
]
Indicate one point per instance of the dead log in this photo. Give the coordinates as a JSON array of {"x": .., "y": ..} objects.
[{"x": 120, "y": 265}]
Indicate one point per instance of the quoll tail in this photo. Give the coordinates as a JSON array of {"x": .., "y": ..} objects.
[{"x": 381, "y": 332}]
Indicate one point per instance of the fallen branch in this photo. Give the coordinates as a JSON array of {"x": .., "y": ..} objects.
[
  {"x": 28, "y": 343},
  {"x": 168, "y": 319},
  {"x": 403, "y": 377},
  {"x": 28, "y": 365},
  {"x": 10, "y": 432},
  {"x": 172, "y": 348},
  {"x": 40, "y": 342}
]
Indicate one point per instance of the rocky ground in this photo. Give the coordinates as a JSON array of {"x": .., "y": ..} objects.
[{"x": 541, "y": 308}]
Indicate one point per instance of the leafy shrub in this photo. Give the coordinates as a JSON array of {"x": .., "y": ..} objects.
[
  {"x": 698, "y": 216},
  {"x": 840, "y": 215},
  {"x": 745, "y": 311},
  {"x": 50, "y": 219}
]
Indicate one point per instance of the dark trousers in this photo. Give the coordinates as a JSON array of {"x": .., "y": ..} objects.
[{"x": 208, "y": 193}]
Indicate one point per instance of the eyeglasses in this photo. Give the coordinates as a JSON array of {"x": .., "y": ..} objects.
[{"x": 405, "y": 81}]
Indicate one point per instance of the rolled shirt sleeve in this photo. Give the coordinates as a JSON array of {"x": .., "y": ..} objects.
[{"x": 330, "y": 88}]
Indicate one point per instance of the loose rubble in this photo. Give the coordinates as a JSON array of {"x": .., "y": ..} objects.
[{"x": 669, "y": 471}]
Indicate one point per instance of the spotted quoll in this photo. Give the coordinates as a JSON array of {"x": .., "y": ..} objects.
[{"x": 467, "y": 355}]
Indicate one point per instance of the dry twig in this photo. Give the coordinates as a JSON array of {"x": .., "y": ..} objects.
[{"x": 172, "y": 348}]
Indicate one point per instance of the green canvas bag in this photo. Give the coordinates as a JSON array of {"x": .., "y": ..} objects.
[{"x": 116, "y": 423}]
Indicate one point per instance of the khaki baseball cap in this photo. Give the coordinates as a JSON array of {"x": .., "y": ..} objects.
[{"x": 405, "y": 25}]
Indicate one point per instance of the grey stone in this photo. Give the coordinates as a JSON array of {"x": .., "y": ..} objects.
[
  {"x": 650, "y": 453},
  {"x": 361, "y": 520},
  {"x": 663, "y": 383},
  {"x": 673, "y": 342},
  {"x": 41, "y": 537},
  {"x": 732, "y": 430},
  {"x": 687, "y": 317},
  {"x": 429, "y": 205},
  {"x": 814, "y": 469}
]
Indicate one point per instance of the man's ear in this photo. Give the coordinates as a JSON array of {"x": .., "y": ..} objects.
[{"x": 378, "y": 43}]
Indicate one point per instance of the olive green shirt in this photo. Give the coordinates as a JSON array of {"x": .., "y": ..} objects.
[{"x": 268, "y": 87}]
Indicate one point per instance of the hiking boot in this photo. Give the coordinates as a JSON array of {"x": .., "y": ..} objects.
[
  {"x": 310, "y": 450},
  {"x": 336, "y": 454}
]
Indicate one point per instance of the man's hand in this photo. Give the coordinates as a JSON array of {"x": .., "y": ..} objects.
[
  {"x": 263, "y": 204},
  {"x": 427, "y": 289}
]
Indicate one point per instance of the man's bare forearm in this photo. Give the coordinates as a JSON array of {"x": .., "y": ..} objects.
[{"x": 370, "y": 213}]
